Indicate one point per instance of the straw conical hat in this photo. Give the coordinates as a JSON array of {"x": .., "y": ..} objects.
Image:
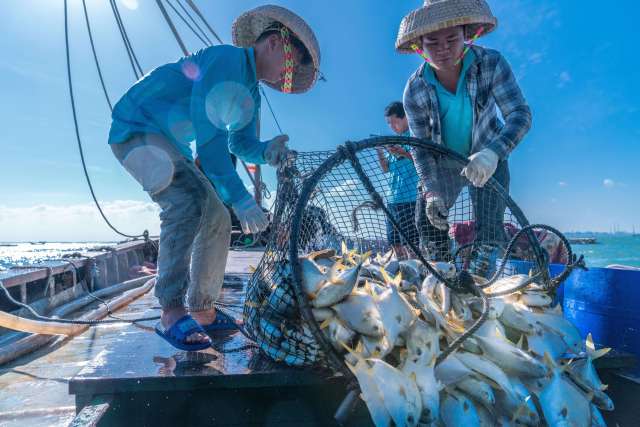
[
  {"x": 250, "y": 25},
  {"x": 439, "y": 14}
]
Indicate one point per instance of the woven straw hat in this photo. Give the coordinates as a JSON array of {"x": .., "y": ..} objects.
[
  {"x": 250, "y": 25},
  {"x": 439, "y": 14}
]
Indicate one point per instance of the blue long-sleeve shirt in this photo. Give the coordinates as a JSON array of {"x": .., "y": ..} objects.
[{"x": 211, "y": 97}]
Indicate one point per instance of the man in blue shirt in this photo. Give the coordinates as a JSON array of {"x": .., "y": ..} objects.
[
  {"x": 210, "y": 100},
  {"x": 398, "y": 163}
]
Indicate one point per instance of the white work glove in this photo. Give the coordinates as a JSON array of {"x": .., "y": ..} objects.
[
  {"x": 251, "y": 217},
  {"x": 482, "y": 165},
  {"x": 276, "y": 152},
  {"x": 436, "y": 211}
]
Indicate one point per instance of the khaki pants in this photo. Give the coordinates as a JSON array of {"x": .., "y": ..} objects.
[{"x": 195, "y": 226}]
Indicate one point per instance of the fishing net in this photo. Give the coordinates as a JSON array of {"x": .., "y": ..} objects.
[{"x": 348, "y": 198}]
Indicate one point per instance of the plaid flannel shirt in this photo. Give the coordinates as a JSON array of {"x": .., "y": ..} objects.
[{"x": 490, "y": 83}]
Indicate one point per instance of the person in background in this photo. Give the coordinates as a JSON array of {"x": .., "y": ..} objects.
[
  {"x": 453, "y": 100},
  {"x": 210, "y": 97},
  {"x": 397, "y": 162}
]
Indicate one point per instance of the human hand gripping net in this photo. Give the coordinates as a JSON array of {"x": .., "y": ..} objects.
[{"x": 356, "y": 280}]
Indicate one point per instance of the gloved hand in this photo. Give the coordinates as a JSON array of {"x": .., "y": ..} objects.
[
  {"x": 482, "y": 165},
  {"x": 276, "y": 151},
  {"x": 251, "y": 217},
  {"x": 436, "y": 211}
]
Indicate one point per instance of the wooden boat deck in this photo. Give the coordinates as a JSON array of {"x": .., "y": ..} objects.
[{"x": 148, "y": 382}]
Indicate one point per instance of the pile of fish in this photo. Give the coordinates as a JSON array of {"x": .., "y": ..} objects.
[{"x": 526, "y": 365}]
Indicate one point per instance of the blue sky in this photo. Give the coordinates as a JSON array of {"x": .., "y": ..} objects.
[{"x": 576, "y": 62}]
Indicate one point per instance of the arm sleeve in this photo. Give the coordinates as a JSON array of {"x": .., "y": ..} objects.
[
  {"x": 418, "y": 118},
  {"x": 514, "y": 108},
  {"x": 217, "y": 166},
  {"x": 245, "y": 144},
  {"x": 215, "y": 109}
]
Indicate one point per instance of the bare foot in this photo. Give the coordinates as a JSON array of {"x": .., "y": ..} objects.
[{"x": 170, "y": 316}]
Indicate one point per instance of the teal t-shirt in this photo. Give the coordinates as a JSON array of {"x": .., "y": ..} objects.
[
  {"x": 456, "y": 110},
  {"x": 404, "y": 179}
]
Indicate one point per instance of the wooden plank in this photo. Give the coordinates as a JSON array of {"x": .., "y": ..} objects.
[
  {"x": 123, "y": 266},
  {"x": 27, "y": 275}
]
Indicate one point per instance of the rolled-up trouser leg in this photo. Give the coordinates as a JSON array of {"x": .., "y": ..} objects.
[
  {"x": 210, "y": 250},
  {"x": 174, "y": 184}
]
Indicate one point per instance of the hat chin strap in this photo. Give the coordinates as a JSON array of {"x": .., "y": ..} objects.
[{"x": 287, "y": 84}]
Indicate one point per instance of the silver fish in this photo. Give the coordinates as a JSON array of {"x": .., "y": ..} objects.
[
  {"x": 458, "y": 410},
  {"x": 423, "y": 341},
  {"x": 561, "y": 402},
  {"x": 535, "y": 299},
  {"x": 543, "y": 341},
  {"x": 490, "y": 370},
  {"x": 314, "y": 276},
  {"x": 584, "y": 367},
  {"x": 400, "y": 393},
  {"x": 371, "y": 395},
  {"x": 478, "y": 390},
  {"x": 428, "y": 387},
  {"x": 360, "y": 313},
  {"x": 559, "y": 325},
  {"x": 510, "y": 357},
  {"x": 282, "y": 301},
  {"x": 321, "y": 314},
  {"x": 397, "y": 314},
  {"x": 451, "y": 370},
  {"x": 376, "y": 347},
  {"x": 337, "y": 332},
  {"x": 337, "y": 289},
  {"x": 513, "y": 318}
]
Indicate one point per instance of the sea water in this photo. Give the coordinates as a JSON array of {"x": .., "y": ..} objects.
[{"x": 610, "y": 249}]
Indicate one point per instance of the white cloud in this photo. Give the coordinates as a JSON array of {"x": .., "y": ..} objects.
[
  {"x": 536, "y": 57},
  {"x": 609, "y": 183},
  {"x": 80, "y": 222},
  {"x": 563, "y": 183},
  {"x": 563, "y": 79}
]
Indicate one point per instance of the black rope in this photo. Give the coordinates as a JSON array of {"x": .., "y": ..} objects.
[
  {"x": 127, "y": 42},
  {"x": 95, "y": 55},
  {"x": 203, "y": 38},
  {"x": 77, "y": 130},
  {"x": 206, "y": 23},
  {"x": 38, "y": 316},
  {"x": 273, "y": 114}
]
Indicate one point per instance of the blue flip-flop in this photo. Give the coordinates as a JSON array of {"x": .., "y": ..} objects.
[
  {"x": 177, "y": 334},
  {"x": 222, "y": 322}
]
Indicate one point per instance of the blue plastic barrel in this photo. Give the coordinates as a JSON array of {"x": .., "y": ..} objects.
[{"x": 605, "y": 302}]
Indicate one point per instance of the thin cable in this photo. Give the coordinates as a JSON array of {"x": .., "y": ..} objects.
[
  {"x": 201, "y": 16},
  {"x": 126, "y": 36},
  {"x": 273, "y": 114},
  {"x": 198, "y": 34},
  {"x": 176, "y": 35},
  {"x": 116, "y": 15},
  {"x": 77, "y": 130},
  {"x": 38, "y": 316},
  {"x": 95, "y": 55}
]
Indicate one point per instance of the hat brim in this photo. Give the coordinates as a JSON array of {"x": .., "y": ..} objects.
[
  {"x": 250, "y": 25},
  {"x": 471, "y": 14}
]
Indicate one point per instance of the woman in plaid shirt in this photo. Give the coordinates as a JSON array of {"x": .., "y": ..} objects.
[{"x": 451, "y": 99}]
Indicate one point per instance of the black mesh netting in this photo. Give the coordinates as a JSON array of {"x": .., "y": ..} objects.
[{"x": 324, "y": 202}]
